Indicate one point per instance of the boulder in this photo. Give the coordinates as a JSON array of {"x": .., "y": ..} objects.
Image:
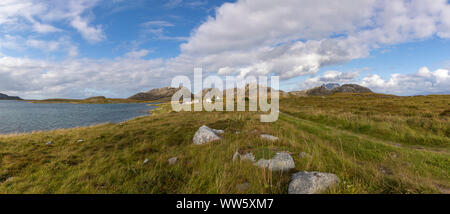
[
  {"x": 206, "y": 135},
  {"x": 311, "y": 182},
  {"x": 281, "y": 162},
  {"x": 269, "y": 137}
]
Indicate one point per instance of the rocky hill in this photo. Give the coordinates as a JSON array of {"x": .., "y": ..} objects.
[
  {"x": 163, "y": 94},
  {"x": 6, "y": 97},
  {"x": 325, "y": 90}
]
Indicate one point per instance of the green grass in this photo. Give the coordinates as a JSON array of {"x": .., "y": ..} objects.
[{"x": 364, "y": 155}]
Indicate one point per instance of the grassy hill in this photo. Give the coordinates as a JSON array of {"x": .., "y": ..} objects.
[{"x": 373, "y": 143}]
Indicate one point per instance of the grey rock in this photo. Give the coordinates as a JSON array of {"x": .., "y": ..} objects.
[
  {"x": 146, "y": 161},
  {"x": 281, "y": 162},
  {"x": 236, "y": 156},
  {"x": 269, "y": 137},
  {"x": 80, "y": 141},
  {"x": 49, "y": 143},
  {"x": 243, "y": 187},
  {"x": 311, "y": 182},
  {"x": 206, "y": 135},
  {"x": 173, "y": 160}
]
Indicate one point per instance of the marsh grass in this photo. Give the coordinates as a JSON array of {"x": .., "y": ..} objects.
[{"x": 367, "y": 156}]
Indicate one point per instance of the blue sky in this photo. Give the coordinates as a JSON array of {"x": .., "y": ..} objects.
[{"x": 80, "y": 48}]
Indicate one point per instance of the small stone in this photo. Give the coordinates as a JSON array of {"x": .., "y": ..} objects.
[
  {"x": 394, "y": 155},
  {"x": 80, "y": 141},
  {"x": 311, "y": 182},
  {"x": 173, "y": 160},
  {"x": 269, "y": 137},
  {"x": 385, "y": 170},
  {"x": 49, "y": 143},
  {"x": 304, "y": 155},
  {"x": 243, "y": 187},
  {"x": 247, "y": 157},
  {"x": 236, "y": 156},
  {"x": 146, "y": 161}
]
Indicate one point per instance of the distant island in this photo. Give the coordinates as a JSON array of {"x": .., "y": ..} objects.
[{"x": 6, "y": 97}]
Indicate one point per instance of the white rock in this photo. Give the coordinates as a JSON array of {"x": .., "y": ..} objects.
[
  {"x": 49, "y": 143},
  {"x": 80, "y": 141},
  {"x": 311, "y": 182},
  {"x": 269, "y": 137},
  {"x": 206, "y": 135},
  {"x": 146, "y": 161}
]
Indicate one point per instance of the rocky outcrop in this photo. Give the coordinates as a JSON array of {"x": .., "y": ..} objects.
[
  {"x": 164, "y": 94},
  {"x": 281, "y": 162},
  {"x": 311, "y": 182},
  {"x": 319, "y": 91},
  {"x": 6, "y": 97},
  {"x": 329, "y": 89},
  {"x": 351, "y": 88},
  {"x": 206, "y": 135}
]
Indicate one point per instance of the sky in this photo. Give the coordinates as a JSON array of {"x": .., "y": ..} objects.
[{"x": 116, "y": 48}]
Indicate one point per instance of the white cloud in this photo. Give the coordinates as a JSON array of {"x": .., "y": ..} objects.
[
  {"x": 293, "y": 38},
  {"x": 40, "y": 16},
  {"x": 45, "y": 79},
  {"x": 423, "y": 81},
  {"x": 137, "y": 53},
  {"x": 91, "y": 34}
]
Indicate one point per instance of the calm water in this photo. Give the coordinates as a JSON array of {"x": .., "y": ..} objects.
[{"x": 18, "y": 117}]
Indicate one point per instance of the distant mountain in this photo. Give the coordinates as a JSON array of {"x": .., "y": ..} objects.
[
  {"x": 163, "y": 94},
  {"x": 6, "y": 97},
  {"x": 335, "y": 88}
]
